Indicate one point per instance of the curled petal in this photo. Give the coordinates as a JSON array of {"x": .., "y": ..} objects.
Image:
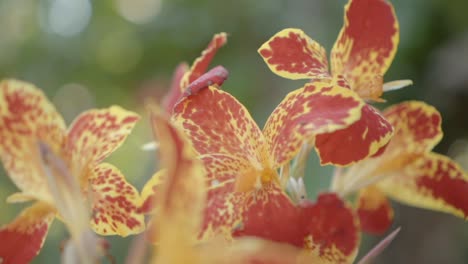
[
  {"x": 23, "y": 238},
  {"x": 365, "y": 138},
  {"x": 292, "y": 54},
  {"x": 366, "y": 45},
  {"x": 149, "y": 191},
  {"x": 26, "y": 117},
  {"x": 430, "y": 181},
  {"x": 182, "y": 194},
  {"x": 417, "y": 127},
  {"x": 217, "y": 123},
  {"x": 321, "y": 106},
  {"x": 200, "y": 65},
  {"x": 115, "y": 202},
  {"x": 95, "y": 134},
  {"x": 175, "y": 92},
  {"x": 215, "y": 76},
  {"x": 374, "y": 210},
  {"x": 332, "y": 229}
]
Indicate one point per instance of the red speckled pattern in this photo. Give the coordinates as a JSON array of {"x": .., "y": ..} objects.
[
  {"x": 114, "y": 202},
  {"x": 366, "y": 45},
  {"x": 430, "y": 181},
  {"x": 418, "y": 126},
  {"x": 356, "y": 142},
  {"x": 96, "y": 133},
  {"x": 319, "y": 107},
  {"x": 26, "y": 116},
  {"x": 217, "y": 123},
  {"x": 290, "y": 53}
]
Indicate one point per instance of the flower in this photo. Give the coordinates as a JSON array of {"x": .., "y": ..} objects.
[
  {"x": 407, "y": 171},
  {"x": 241, "y": 162},
  {"x": 361, "y": 55},
  {"x": 181, "y": 197},
  {"x": 28, "y": 119}
]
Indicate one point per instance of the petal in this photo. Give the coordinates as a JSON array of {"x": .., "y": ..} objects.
[
  {"x": 26, "y": 117},
  {"x": 319, "y": 107},
  {"x": 332, "y": 229},
  {"x": 374, "y": 210},
  {"x": 292, "y": 54},
  {"x": 149, "y": 191},
  {"x": 417, "y": 127},
  {"x": 364, "y": 138},
  {"x": 260, "y": 218},
  {"x": 175, "y": 92},
  {"x": 366, "y": 45},
  {"x": 430, "y": 181},
  {"x": 96, "y": 133},
  {"x": 200, "y": 65},
  {"x": 23, "y": 238},
  {"x": 217, "y": 123},
  {"x": 114, "y": 202},
  {"x": 182, "y": 194}
]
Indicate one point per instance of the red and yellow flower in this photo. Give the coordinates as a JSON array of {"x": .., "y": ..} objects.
[
  {"x": 28, "y": 119},
  {"x": 363, "y": 52},
  {"x": 181, "y": 197},
  {"x": 245, "y": 197},
  {"x": 407, "y": 171}
]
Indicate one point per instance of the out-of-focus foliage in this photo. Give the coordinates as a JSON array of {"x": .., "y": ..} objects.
[{"x": 87, "y": 53}]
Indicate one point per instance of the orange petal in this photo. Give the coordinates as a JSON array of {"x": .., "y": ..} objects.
[
  {"x": 366, "y": 45},
  {"x": 374, "y": 210},
  {"x": 26, "y": 116},
  {"x": 200, "y": 65},
  {"x": 364, "y": 138},
  {"x": 95, "y": 134},
  {"x": 182, "y": 194},
  {"x": 149, "y": 191},
  {"x": 332, "y": 229},
  {"x": 175, "y": 92},
  {"x": 319, "y": 107},
  {"x": 114, "y": 202},
  {"x": 23, "y": 238},
  {"x": 430, "y": 181},
  {"x": 217, "y": 123},
  {"x": 292, "y": 54},
  {"x": 417, "y": 127}
]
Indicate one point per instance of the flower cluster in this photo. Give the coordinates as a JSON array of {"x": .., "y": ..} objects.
[{"x": 229, "y": 191}]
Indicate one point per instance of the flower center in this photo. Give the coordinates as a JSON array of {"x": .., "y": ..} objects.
[{"x": 255, "y": 179}]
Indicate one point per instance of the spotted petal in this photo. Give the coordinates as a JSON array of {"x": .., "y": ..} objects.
[
  {"x": 292, "y": 54},
  {"x": 217, "y": 123},
  {"x": 320, "y": 106},
  {"x": 200, "y": 65},
  {"x": 366, "y": 137},
  {"x": 374, "y": 210},
  {"x": 366, "y": 45},
  {"x": 95, "y": 134},
  {"x": 23, "y": 238},
  {"x": 115, "y": 202},
  {"x": 26, "y": 117},
  {"x": 417, "y": 127},
  {"x": 430, "y": 181},
  {"x": 332, "y": 229}
]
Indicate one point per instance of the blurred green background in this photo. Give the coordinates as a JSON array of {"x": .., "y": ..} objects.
[{"x": 87, "y": 54}]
